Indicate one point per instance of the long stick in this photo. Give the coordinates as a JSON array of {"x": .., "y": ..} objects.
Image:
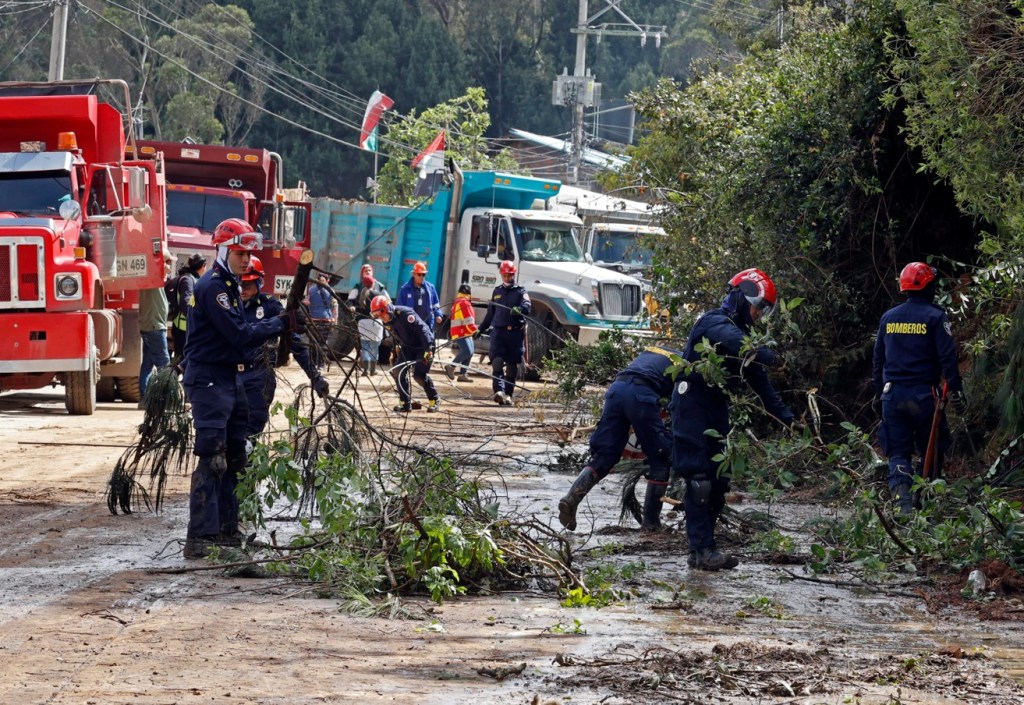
[{"x": 933, "y": 437}]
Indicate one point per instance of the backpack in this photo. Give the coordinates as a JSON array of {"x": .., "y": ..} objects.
[{"x": 171, "y": 291}]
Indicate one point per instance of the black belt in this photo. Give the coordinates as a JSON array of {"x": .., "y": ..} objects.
[
  {"x": 509, "y": 327},
  {"x": 631, "y": 379},
  {"x": 238, "y": 367}
]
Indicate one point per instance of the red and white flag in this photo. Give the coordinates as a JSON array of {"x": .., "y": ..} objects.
[
  {"x": 431, "y": 158},
  {"x": 430, "y": 163},
  {"x": 376, "y": 106}
]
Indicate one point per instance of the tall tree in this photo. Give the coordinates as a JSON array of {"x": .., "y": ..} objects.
[
  {"x": 790, "y": 161},
  {"x": 464, "y": 119}
]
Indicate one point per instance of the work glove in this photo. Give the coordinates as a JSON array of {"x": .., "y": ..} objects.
[
  {"x": 959, "y": 401},
  {"x": 516, "y": 311},
  {"x": 428, "y": 356},
  {"x": 876, "y": 406},
  {"x": 294, "y": 321},
  {"x": 482, "y": 331},
  {"x": 321, "y": 386}
]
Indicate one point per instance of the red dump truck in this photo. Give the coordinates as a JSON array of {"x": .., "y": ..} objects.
[
  {"x": 207, "y": 184},
  {"x": 81, "y": 232}
]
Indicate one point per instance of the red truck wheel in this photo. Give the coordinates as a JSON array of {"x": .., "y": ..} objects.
[
  {"x": 80, "y": 385},
  {"x": 129, "y": 389}
]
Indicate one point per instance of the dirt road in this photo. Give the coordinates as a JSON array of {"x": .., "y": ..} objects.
[{"x": 81, "y": 621}]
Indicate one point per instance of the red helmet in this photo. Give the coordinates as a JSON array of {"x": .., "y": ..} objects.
[
  {"x": 756, "y": 287},
  {"x": 419, "y": 268},
  {"x": 507, "y": 267},
  {"x": 916, "y": 276},
  {"x": 379, "y": 305},
  {"x": 256, "y": 271},
  {"x": 236, "y": 234}
]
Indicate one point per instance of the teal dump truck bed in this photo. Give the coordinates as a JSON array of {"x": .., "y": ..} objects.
[
  {"x": 347, "y": 234},
  {"x": 488, "y": 189}
]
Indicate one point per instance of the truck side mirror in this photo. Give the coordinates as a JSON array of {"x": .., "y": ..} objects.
[
  {"x": 588, "y": 257},
  {"x": 136, "y": 187}
]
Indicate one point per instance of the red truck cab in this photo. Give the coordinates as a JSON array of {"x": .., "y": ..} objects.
[
  {"x": 207, "y": 184},
  {"x": 81, "y": 232}
]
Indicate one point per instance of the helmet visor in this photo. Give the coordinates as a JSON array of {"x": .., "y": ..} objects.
[{"x": 762, "y": 304}]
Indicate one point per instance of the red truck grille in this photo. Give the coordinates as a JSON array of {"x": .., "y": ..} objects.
[
  {"x": 21, "y": 273},
  {"x": 5, "y": 274}
]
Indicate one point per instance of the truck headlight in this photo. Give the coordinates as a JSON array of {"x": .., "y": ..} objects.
[
  {"x": 68, "y": 286},
  {"x": 583, "y": 308},
  {"x": 595, "y": 295}
]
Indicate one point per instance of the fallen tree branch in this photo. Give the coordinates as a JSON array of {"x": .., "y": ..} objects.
[{"x": 852, "y": 583}]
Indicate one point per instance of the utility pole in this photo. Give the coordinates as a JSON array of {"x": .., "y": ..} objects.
[
  {"x": 580, "y": 91},
  {"x": 58, "y": 40},
  {"x": 579, "y": 72}
]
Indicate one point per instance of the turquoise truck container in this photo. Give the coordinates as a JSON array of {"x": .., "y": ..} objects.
[{"x": 476, "y": 221}]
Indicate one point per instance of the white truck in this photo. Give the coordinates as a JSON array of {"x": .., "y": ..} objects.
[
  {"x": 473, "y": 224},
  {"x": 618, "y": 233}
]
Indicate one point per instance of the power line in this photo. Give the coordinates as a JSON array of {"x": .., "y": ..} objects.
[
  {"x": 31, "y": 39},
  {"x": 341, "y": 96},
  {"x": 354, "y": 104},
  {"x": 23, "y": 6},
  {"x": 227, "y": 92},
  {"x": 708, "y": 6}
]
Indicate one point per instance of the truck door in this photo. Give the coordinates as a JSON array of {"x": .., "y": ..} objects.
[{"x": 491, "y": 241}]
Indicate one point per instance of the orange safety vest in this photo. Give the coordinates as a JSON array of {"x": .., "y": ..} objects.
[{"x": 463, "y": 322}]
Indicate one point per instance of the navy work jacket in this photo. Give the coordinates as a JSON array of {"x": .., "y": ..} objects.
[{"x": 915, "y": 347}]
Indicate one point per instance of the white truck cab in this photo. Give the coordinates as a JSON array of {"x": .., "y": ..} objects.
[{"x": 570, "y": 295}]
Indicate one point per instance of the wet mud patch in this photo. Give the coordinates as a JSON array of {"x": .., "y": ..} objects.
[
  {"x": 747, "y": 671},
  {"x": 1001, "y": 600}
]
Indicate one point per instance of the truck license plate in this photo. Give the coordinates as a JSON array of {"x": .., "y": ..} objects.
[
  {"x": 131, "y": 266},
  {"x": 282, "y": 284}
]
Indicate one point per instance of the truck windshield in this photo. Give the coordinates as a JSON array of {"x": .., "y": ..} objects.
[
  {"x": 620, "y": 248},
  {"x": 38, "y": 193},
  {"x": 546, "y": 242},
  {"x": 187, "y": 209}
]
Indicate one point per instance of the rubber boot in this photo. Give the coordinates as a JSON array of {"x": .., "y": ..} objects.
[
  {"x": 904, "y": 499},
  {"x": 712, "y": 559},
  {"x": 580, "y": 487},
  {"x": 227, "y": 501},
  {"x": 204, "y": 516},
  {"x": 652, "y": 507}
]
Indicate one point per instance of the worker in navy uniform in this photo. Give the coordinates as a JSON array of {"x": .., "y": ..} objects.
[
  {"x": 699, "y": 405},
  {"x": 218, "y": 340},
  {"x": 506, "y": 312},
  {"x": 259, "y": 377},
  {"x": 914, "y": 348},
  {"x": 416, "y": 351},
  {"x": 635, "y": 399}
]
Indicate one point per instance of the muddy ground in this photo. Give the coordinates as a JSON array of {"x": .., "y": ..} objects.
[{"x": 83, "y": 621}]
